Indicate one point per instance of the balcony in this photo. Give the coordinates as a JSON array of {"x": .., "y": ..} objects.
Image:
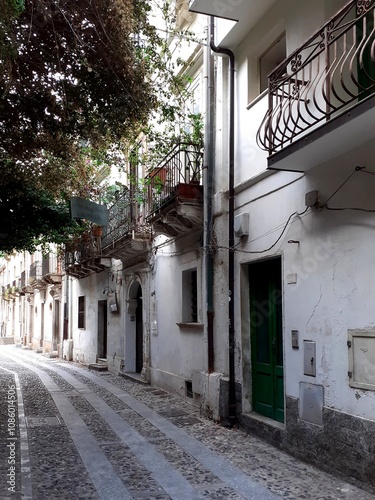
[
  {"x": 7, "y": 292},
  {"x": 127, "y": 237},
  {"x": 175, "y": 195},
  {"x": 83, "y": 255},
  {"x": 51, "y": 270},
  {"x": 17, "y": 288},
  {"x": 35, "y": 277},
  {"x": 25, "y": 286},
  {"x": 322, "y": 97}
]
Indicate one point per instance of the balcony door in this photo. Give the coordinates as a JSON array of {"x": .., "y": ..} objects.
[{"x": 267, "y": 339}]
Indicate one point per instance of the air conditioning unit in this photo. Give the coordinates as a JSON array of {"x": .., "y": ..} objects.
[{"x": 67, "y": 351}]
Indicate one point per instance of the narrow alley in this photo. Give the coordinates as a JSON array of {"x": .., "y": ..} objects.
[{"x": 70, "y": 433}]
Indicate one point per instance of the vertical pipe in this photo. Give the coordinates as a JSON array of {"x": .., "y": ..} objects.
[
  {"x": 208, "y": 186},
  {"x": 232, "y": 393}
]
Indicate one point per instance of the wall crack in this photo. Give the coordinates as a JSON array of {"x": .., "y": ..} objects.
[{"x": 316, "y": 306}]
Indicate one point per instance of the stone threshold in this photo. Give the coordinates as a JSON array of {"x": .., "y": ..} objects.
[{"x": 135, "y": 377}]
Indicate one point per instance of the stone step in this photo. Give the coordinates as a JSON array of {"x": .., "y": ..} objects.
[
  {"x": 6, "y": 340},
  {"x": 99, "y": 367},
  {"x": 51, "y": 355}
]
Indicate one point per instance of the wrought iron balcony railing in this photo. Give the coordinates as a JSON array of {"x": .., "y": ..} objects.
[
  {"x": 83, "y": 248},
  {"x": 182, "y": 166},
  {"x": 45, "y": 265},
  {"x": 35, "y": 271},
  {"x": 332, "y": 71},
  {"x": 24, "y": 278},
  {"x": 124, "y": 217},
  {"x": 51, "y": 264}
]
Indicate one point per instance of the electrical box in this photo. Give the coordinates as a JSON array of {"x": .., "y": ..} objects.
[
  {"x": 295, "y": 344},
  {"x": 241, "y": 225},
  {"x": 309, "y": 358},
  {"x": 312, "y": 198}
]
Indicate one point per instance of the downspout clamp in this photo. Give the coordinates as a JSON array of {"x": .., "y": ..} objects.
[{"x": 232, "y": 387}]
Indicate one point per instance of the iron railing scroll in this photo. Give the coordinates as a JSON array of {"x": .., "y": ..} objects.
[{"x": 332, "y": 71}]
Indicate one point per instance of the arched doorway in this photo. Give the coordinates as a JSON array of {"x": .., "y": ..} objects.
[{"x": 134, "y": 335}]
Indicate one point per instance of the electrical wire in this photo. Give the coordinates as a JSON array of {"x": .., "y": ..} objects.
[
  {"x": 234, "y": 249},
  {"x": 357, "y": 169}
]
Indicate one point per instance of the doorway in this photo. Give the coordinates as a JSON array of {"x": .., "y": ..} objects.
[
  {"x": 139, "y": 332},
  {"x": 56, "y": 325},
  {"x": 266, "y": 336},
  {"x": 102, "y": 329},
  {"x": 42, "y": 325}
]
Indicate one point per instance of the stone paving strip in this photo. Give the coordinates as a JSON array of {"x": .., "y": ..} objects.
[
  {"x": 171, "y": 480},
  {"x": 224, "y": 470},
  {"x": 283, "y": 474},
  {"x": 106, "y": 481},
  {"x": 213, "y": 462},
  {"x": 57, "y": 471},
  {"x": 26, "y": 487}
]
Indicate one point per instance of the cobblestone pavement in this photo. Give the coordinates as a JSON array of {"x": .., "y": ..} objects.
[{"x": 69, "y": 433}]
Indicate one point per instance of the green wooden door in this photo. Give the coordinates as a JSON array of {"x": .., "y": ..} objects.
[{"x": 266, "y": 339}]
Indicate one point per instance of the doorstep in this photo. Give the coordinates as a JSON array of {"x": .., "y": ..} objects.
[{"x": 135, "y": 377}]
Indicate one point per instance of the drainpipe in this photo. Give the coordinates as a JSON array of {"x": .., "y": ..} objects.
[
  {"x": 208, "y": 185},
  {"x": 232, "y": 388}
]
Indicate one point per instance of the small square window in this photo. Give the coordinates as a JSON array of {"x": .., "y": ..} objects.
[{"x": 81, "y": 312}]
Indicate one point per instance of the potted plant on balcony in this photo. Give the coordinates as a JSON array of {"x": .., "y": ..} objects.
[{"x": 97, "y": 231}]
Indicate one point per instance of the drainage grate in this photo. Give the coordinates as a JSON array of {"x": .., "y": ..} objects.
[{"x": 42, "y": 421}]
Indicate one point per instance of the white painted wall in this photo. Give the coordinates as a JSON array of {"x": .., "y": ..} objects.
[
  {"x": 85, "y": 341},
  {"x": 334, "y": 259},
  {"x": 176, "y": 351}
]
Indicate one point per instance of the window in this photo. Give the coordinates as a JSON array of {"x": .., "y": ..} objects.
[
  {"x": 81, "y": 311},
  {"x": 194, "y": 105},
  {"x": 273, "y": 56},
  {"x": 189, "y": 296}
]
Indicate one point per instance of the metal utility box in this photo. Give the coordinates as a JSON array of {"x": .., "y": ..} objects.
[
  {"x": 241, "y": 225},
  {"x": 309, "y": 358},
  {"x": 295, "y": 344}
]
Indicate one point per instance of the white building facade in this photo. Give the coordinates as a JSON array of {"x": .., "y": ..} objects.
[
  {"x": 302, "y": 358},
  {"x": 244, "y": 279}
]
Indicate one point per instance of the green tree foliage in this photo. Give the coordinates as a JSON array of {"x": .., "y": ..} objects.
[
  {"x": 76, "y": 78},
  {"x": 23, "y": 205},
  {"x": 71, "y": 73}
]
